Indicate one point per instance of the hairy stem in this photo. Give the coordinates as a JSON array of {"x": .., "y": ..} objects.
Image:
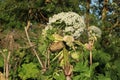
[
  {"x": 90, "y": 57},
  {"x": 68, "y": 78}
]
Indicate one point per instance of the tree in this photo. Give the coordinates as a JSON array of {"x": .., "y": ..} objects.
[{"x": 16, "y": 13}]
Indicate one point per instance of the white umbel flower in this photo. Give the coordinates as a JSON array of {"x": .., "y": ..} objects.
[
  {"x": 93, "y": 30},
  {"x": 74, "y": 24}
]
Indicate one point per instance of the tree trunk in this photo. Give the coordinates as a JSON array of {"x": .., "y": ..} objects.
[{"x": 104, "y": 10}]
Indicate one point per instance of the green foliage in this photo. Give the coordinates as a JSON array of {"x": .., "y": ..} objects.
[
  {"x": 59, "y": 75},
  {"x": 1, "y": 61},
  {"x": 44, "y": 42},
  {"x": 28, "y": 71},
  {"x": 102, "y": 77},
  {"x": 116, "y": 66},
  {"x": 16, "y": 13},
  {"x": 101, "y": 56}
]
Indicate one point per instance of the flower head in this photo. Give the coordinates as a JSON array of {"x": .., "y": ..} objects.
[
  {"x": 93, "y": 30},
  {"x": 74, "y": 24}
]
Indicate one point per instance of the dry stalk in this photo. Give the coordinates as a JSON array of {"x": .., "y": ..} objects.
[
  {"x": 7, "y": 65},
  {"x": 43, "y": 16},
  {"x": 35, "y": 52},
  {"x": 7, "y": 57}
]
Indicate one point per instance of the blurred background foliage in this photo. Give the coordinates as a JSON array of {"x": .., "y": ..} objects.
[{"x": 14, "y": 15}]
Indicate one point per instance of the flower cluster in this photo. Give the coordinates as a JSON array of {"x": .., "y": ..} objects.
[
  {"x": 74, "y": 24},
  {"x": 94, "y": 31}
]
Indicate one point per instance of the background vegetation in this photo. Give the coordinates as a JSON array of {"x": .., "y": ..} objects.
[{"x": 25, "y": 54}]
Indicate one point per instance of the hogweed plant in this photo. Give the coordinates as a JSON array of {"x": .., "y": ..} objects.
[
  {"x": 64, "y": 30},
  {"x": 93, "y": 33}
]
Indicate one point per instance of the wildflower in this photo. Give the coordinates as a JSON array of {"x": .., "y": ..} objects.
[
  {"x": 74, "y": 24},
  {"x": 94, "y": 31}
]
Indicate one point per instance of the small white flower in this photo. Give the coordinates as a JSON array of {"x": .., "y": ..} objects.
[
  {"x": 76, "y": 26},
  {"x": 76, "y": 34},
  {"x": 81, "y": 29},
  {"x": 67, "y": 29}
]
